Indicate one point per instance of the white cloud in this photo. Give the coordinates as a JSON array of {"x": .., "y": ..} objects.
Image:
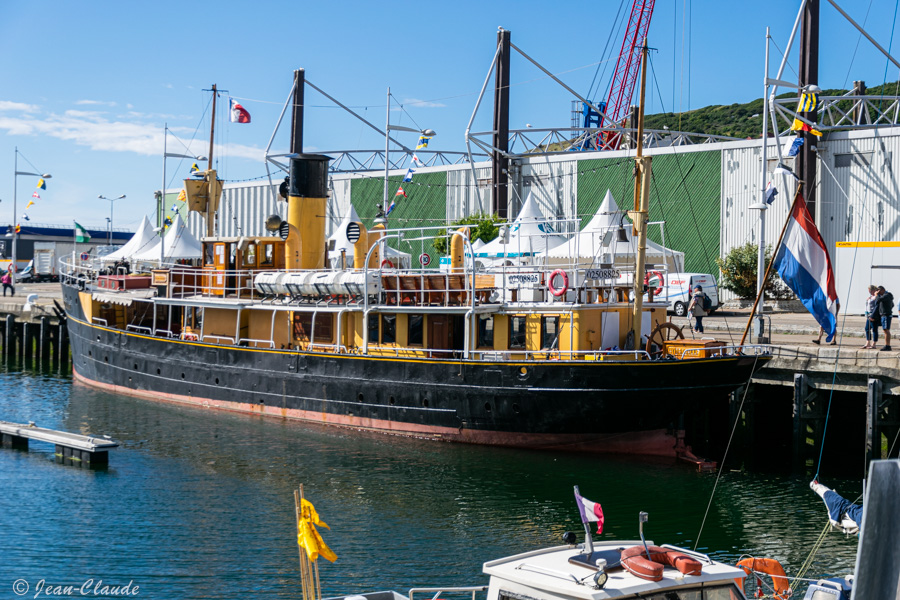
[
  {"x": 95, "y": 102},
  {"x": 19, "y": 106},
  {"x": 84, "y": 114},
  {"x": 93, "y": 130},
  {"x": 422, "y": 103}
]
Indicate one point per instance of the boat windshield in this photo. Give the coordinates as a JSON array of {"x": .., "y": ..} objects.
[{"x": 712, "y": 592}]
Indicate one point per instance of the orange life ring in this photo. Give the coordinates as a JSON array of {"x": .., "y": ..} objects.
[
  {"x": 650, "y": 275},
  {"x": 770, "y": 567},
  {"x": 565, "y": 283},
  {"x": 634, "y": 560},
  {"x": 388, "y": 263}
]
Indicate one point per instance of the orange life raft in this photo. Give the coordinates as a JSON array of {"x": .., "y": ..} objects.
[{"x": 634, "y": 560}]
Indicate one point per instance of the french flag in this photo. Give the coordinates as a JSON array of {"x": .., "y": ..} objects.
[
  {"x": 591, "y": 512},
  {"x": 804, "y": 265}
]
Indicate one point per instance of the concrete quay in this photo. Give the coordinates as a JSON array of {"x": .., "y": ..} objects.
[{"x": 15, "y": 305}]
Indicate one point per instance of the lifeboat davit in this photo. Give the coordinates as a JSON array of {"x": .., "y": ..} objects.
[{"x": 635, "y": 561}]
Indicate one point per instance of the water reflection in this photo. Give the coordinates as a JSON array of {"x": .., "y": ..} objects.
[{"x": 199, "y": 504}]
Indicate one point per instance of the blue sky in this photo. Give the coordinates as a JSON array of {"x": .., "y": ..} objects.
[{"x": 87, "y": 87}]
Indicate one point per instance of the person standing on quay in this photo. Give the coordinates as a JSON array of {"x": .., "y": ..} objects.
[
  {"x": 885, "y": 310},
  {"x": 696, "y": 308},
  {"x": 872, "y": 320},
  {"x": 6, "y": 280}
]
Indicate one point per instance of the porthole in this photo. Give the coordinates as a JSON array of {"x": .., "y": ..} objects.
[
  {"x": 425, "y": 402},
  {"x": 135, "y": 366},
  {"x": 90, "y": 353},
  {"x": 359, "y": 397},
  {"x": 517, "y": 409},
  {"x": 523, "y": 371},
  {"x": 158, "y": 372},
  {"x": 217, "y": 381},
  {"x": 392, "y": 401},
  {"x": 182, "y": 375},
  {"x": 487, "y": 407},
  {"x": 106, "y": 359}
]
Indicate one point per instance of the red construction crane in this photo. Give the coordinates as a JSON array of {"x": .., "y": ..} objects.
[{"x": 628, "y": 66}]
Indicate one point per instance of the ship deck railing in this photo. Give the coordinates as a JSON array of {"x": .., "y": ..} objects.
[{"x": 524, "y": 284}]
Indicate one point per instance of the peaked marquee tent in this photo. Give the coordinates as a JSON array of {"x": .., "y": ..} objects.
[
  {"x": 529, "y": 235},
  {"x": 178, "y": 244},
  {"x": 586, "y": 247},
  {"x": 143, "y": 239}
]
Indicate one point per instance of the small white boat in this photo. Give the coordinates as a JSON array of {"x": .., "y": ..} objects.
[{"x": 574, "y": 572}]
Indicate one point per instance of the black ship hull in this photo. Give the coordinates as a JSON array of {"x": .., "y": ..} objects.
[{"x": 627, "y": 407}]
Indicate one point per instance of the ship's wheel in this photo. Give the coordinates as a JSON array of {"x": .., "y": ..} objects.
[{"x": 659, "y": 337}]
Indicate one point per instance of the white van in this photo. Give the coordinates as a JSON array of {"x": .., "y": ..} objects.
[{"x": 677, "y": 290}]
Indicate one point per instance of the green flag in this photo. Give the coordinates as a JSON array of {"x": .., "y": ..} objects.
[{"x": 81, "y": 234}]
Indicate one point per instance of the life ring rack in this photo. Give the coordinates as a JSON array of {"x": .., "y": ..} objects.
[{"x": 565, "y": 283}]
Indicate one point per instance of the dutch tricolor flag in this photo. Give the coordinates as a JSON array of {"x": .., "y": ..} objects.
[{"x": 804, "y": 265}]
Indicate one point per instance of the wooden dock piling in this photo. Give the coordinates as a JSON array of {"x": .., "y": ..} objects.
[{"x": 41, "y": 344}]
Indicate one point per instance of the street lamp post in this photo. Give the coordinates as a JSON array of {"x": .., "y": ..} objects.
[
  {"x": 111, "y": 201},
  {"x": 161, "y": 204},
  {"x": 387, "y": 141},
  {"x": 15, "y": 240}
]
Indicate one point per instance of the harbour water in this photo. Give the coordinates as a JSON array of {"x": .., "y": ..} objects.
[{"x": 199, "y": 504}]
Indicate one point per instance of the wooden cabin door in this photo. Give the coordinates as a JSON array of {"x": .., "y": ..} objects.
[{"x": 445, "y": 335}]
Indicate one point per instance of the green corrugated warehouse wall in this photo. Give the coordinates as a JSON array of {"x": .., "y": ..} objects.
[
  {"x": 685, "y": 193},
  {"x": 425, "y": 205}
]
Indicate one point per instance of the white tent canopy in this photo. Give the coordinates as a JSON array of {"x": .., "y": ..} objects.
[
  {"x": 143, "y": 239},
  {"x": 587, "y": 246},
  {"x": 178, "y": 244},
  {"x": 399, "y": 259},
  {"x": 530, "y": 234}
]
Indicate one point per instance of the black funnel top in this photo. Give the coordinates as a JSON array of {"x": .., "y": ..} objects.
[{"x": 309, "y": 176}]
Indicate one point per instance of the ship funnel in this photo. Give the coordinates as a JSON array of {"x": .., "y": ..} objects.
[
  {"x": 307, "y": 199},
  {"x": 457, "y": 249},
  {"x": 360, "y": 247},
  {"x": 374, "y": 235}
]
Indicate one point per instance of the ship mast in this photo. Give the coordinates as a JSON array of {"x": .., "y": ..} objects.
[
  {"x": 641, "y": 210},
  {"x": 214, "y": 187},
  {"x": 212, "y": 128}
]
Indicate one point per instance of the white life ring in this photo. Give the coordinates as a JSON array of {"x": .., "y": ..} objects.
[{"x": 565, "y": 283}]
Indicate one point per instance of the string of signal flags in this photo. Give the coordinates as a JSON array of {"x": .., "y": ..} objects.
[{"x": 41, "y": 185}]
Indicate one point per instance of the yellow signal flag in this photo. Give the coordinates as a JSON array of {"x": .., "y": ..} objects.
[
  {"x": 307, "y": 536},
  {"x": 799, "y": 125},
  {"x": 182, "y": 196}
]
